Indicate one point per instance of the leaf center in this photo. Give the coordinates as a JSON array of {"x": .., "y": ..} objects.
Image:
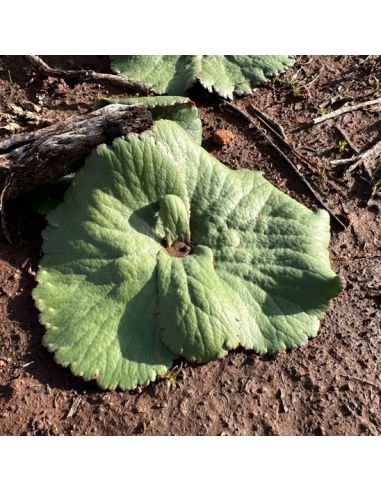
[{"x": 179, "y": 249}]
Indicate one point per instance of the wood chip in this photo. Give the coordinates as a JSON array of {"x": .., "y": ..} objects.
[{"x": 74, "y": 407}]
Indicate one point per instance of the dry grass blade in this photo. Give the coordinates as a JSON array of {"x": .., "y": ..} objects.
[
  {"x": 365, "y": 381},
  {"x": 313, "y": 80},
  {"x": 4, "y": 228}
]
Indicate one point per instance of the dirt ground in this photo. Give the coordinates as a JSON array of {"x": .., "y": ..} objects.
[{"x": 331, "y": 386}]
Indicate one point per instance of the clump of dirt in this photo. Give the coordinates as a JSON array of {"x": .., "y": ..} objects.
[
  {"x": 222, "y": 136},
  {"x": 331, "y": 386}
]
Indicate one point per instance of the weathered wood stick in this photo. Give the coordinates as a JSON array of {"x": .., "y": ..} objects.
[
  {"x": 88, "y": 75},
  {"x": 31, "y": 159},
  {"x": 345, "y": 109},
  {"x": 370, "y": 159}
]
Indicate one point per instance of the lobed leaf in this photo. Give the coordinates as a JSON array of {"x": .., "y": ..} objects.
[
  {"x": 175, "y": 74},
  {"x": 120, "y": 296}
]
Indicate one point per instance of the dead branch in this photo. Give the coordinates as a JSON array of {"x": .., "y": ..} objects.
[
  {"x": 88, "y": 75},
  {"x": 248, "y": 118},
  {"x": 30, "y": 159},
  {"x": 345, "y": 109},
  {"x": 370, "y": 159},
  {"x": 345, "y": 162},
  {"x": 270, "y": 123}
]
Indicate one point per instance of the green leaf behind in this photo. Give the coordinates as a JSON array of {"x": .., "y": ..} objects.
[{"x": 224, "y": 74}]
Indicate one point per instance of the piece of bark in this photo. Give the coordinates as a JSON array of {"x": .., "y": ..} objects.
[{"x": 31, "y": 159}]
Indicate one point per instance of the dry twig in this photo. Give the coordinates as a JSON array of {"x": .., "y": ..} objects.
[
  {"x": 313, "y": 80},
  {"x": 248, "y": 118},
  {"x": 273, "y": 125},
  {"x": 368, "y": 158},
  {"x": 88, "y": 75},
  {"x": 345, "y": 109},
  {"x": 335, "y": 100},
  {"x": 278, "y": 132},
  {"x": 344, "y": 162}
]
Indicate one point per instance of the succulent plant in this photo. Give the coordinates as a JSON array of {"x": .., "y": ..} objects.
[{"x": 160, "y": 251}]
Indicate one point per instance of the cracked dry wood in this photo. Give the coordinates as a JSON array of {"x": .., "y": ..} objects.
[{"x": 31, "y": 159}]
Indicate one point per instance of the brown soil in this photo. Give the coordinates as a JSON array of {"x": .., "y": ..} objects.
[{"x": 331, "y": 386}]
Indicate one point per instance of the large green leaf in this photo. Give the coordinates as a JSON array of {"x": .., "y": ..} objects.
[
  {"x": 175, "y": 74},
  {"x": 268, "y": 247},
  {"x": 120, "y": 301}
]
